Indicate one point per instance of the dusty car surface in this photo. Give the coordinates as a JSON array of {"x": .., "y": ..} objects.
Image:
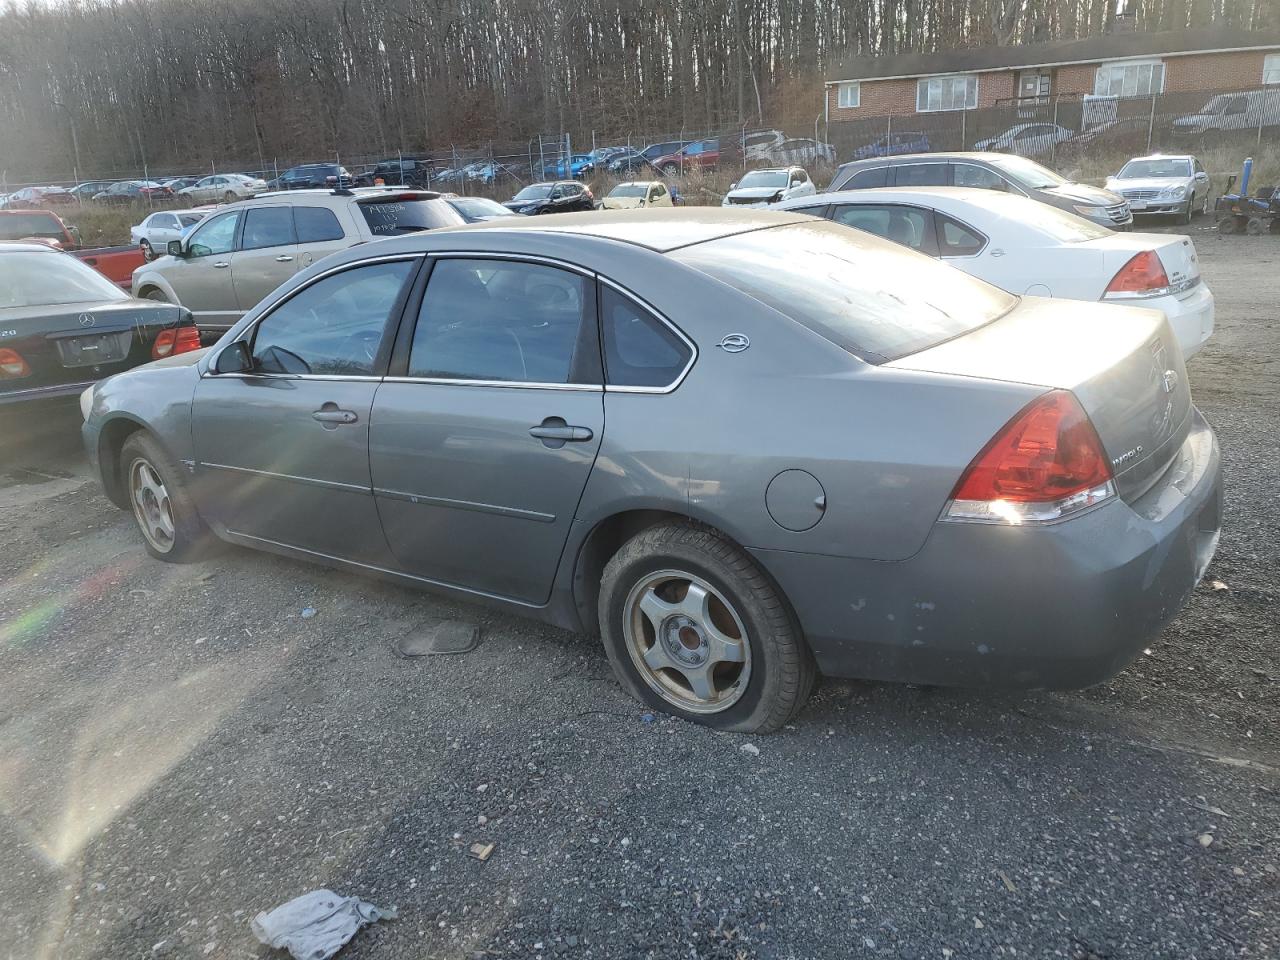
[{"x": 743, "y": 446}]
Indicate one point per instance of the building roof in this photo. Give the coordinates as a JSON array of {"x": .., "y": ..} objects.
[{"x": 1109, "y": 46}]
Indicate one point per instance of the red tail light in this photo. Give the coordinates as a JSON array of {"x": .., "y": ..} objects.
[
  {"x": 12, "y": 365},
  {"x": 175, "y": 340},
  {"x": 1142, "y": 276},
  {"x": 1045, "y": 463}
]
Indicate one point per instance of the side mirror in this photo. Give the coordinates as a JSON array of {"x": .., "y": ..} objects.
[
  {"x": 234, "y": 358},
  {"x": 734, "y": 185},
  {"x": 174, "y": 248}
]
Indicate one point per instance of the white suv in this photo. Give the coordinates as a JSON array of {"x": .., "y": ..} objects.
[
  {"x": 759, "y": 188},
  {"x": 244, "y": 250}
]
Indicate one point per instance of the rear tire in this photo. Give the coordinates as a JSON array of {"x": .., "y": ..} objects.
[
  {"x": 229, "y": 197},
  {"x": 694, "y": 628},
  {"x": 1228, "y": 225},
  {"x": 1256, "y": 227},
  {"x": 171, "y": 527}
]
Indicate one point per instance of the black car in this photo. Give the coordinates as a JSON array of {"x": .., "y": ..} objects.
[
  {"x": 403, "y": 171},
  {"x": 64, "y": 326},
  {"x": 559, "y": 196},
  {"x": 312, "y": 176},
  {"x": 133, "y": 191},
  {"x": 633, "y": 162},
  {"x": 667, "y": 147}
]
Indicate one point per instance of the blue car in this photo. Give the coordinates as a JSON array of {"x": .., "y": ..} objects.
[
  {"x": 578, "y": 164},
  {"x": 894, "y": 143}
]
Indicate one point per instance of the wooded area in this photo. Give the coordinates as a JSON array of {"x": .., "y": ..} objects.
[{"x": 102, "y": 85}]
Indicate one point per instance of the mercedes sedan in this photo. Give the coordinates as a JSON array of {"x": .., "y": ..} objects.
[{"x": 743, "y": 447}]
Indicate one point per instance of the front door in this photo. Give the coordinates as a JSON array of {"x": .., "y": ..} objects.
[
  {"x": 202, "y": 279},
  {"x": 481, "y": 450},
  {"x": 282, "y": 451},
  {"x": 267, "y": 255}
]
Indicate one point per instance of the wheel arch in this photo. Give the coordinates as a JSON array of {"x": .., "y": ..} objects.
[{"x": 111, "y": 440}]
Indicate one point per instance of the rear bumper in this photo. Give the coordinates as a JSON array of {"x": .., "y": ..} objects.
[
  {"x": 1061, "y": 606},
  {"x": 1191, "y": 318}
]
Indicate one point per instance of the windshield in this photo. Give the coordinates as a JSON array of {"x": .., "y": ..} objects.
[
  {"x": 17, "y": 226},
  {"x": 539, "y": 191},
  {"x": 764, "y": 178},
  {"x": 1027, "y": 173},
  {"x": 45, "y": 279},
  {"x": 869, "y": 296},
  {"x": 480, "y": 208},
  {"x": 1156, "y": 169},
  {"x": 388, "y": 216},
  {"x": 629, "y": 190}
]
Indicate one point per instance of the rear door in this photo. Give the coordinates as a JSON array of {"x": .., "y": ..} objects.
[
  {"x": 283, "y": 450},
  {"x": 485, "y": 434},
  {"x": 267, "y": 254},
  {"x": 320, "y": 232}
]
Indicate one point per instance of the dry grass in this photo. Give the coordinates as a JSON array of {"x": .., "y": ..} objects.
[{"x": 104, "y": 226}]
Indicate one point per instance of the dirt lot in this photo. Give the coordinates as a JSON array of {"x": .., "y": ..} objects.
[{"x": 180, "y": 748}]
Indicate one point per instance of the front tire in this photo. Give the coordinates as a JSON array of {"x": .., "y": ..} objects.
[
  {"x": 167, "y": 518},
  {"x": 147, "y": 253},
  {"x": 1187, "y": 212},
  {"x": 694, "y": 628}
]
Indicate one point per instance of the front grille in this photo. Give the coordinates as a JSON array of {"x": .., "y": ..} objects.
[
  {"x": 1119, "y": 213},
  {"x": 1139, "y": 194},
  {"x": 748, "y": 199}
]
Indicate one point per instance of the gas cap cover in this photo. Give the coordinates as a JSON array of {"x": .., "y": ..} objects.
[{"x": 795, "y": 499}]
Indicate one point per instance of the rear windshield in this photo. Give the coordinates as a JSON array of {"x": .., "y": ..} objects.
[
  {"x": 869, "y": 296},
  {"x": 45, "y": 279},
  {"x": 19, "y": 226},
  {"x": 390, "y": 216}
]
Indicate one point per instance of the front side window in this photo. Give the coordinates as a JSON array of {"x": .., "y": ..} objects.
[
  {"x": 1138, "y": 78},
  {"x": 848, "y": 95},
  {"x": 267, "y": 227},
  {"x": 215, "y": 236},
  {"x": 980, "y": 178},
  {"x": 908, "y": 226},
  {"x": 867, "y": 179},
  {"x": 958, "y": 92},
  {"x": 333, "y": 327},
  {"x": 316, "y": 225},
  {"x": 502, "y": 320},
  {"x": 639, "y": 349}
]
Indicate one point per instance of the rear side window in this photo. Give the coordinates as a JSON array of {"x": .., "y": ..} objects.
[
  {"x": 267, "y": 227},
  {"x": 316, "y": 224},
  {"x": 922, "y": 175},
  {"x": 868, "y": 179},
  {"x": 957, "y": 240},
  {"x": 333, "y": 327},
  {"x": 505, "y": 321},
  {"x": 396, "y": 215},
  {"x": 869, "y": 296},
  {"x": 908, "y": 226},
  {"x": 639, "y": 349},
  {"x": 972, "y": 175}
]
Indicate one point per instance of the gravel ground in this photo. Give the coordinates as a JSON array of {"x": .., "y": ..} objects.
[{"x": 180, "y": 748}]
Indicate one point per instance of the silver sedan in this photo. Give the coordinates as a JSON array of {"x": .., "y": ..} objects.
[{"x": 743, "y": 447}]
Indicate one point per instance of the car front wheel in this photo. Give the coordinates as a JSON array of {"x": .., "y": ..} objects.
[
  {"x": 1188, "y": 212},
  {"x": 694, "y": 628},
  {"x": 162, "y": 506}
]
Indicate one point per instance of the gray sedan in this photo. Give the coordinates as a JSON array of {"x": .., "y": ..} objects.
[{"x": 743, "y": 447}]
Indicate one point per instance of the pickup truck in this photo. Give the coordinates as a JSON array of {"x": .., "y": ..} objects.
[{"x": 44, "y": 226}]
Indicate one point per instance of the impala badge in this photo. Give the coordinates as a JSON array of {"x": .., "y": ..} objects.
[{"x": 734, "y": 343}]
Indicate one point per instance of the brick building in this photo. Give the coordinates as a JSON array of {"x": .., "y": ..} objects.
[{"x": 1121, "y": 64}]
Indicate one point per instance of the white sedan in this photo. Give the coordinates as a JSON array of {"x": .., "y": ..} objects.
[
  {"x": 153, "y": 234},
  {"x": 223, "y": 187},
  {"x": 760, "y": 188},
  {"x": 1028, "y": 247},
  {"x": 1160, "y": 183}
]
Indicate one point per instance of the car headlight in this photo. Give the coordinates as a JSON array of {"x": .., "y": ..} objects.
[
  {"x": 1174, "y": 193},
  {"x": 1088, "y": 211}
]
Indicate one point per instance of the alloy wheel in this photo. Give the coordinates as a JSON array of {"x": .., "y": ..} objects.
[
  {"x": 151, "y": 505},
  {"x": 687, "y": 641}
]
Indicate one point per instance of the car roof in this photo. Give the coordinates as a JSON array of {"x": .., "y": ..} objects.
[
  {"x": 311, "y": 194},
  {"x": 908, "y": 157},
  {"x": 947, "y": 199},
  {"x": 661, "y": 230}
]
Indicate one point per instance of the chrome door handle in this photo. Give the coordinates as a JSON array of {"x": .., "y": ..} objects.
[
  {"x": 284, "y": 259},
  {"x": 221, "y": 264},
  {"x": 555, "y": 433},
  {"x": 335, "y": 416}
]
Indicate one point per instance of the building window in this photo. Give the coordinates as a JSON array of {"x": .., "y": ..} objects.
[
  {"x": 959, "y": 92},
  {"x": 1271, "y": 68},
  {"x": 848, "y": 95},
  {"x": 1132, "y": 78},
  {"x": 1033, "y": 84}
]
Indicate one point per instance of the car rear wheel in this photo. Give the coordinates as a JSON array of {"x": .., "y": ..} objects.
[
  {"x": 694, "y": 628},
  {"x": 229, "y": 197},
  {"x": 162, "y": 506}
]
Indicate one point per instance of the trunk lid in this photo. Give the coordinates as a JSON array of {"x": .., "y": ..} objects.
[
  {"x": 1122, "y": 363},
  {"x": 1176, "y": 252}
]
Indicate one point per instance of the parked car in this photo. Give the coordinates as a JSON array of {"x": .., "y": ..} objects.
[
  {"x": 63, "y": 326},
  {"x": 552, "y": 197},
  {"x": 801, "y": 151},
  {"x": 223, "y": 188},
  {"x": 1024, "y": 247},
  {"x": 1247, "y": 110},
  {"x": 133, "y": 191},
  {"x": 89, "y": 189},
  {"x": 632, "y": 163},
  {"x": 49, "y": 230},
  {"x": 576, "y": 166},
  {"x": 156, "y": 230},
  {"x": 758, "y": 144},
  {"x": 1026, "y": 139},
  {"x": 1177, "y": 185},
  {"x": 638, "y": 193},
  {"x": 181, "y": 183},
  {"x": 704, "y": 154},
  {"x": 999, "y": 491},
  {"x": 477, "y": 209},
  {"x": 243, "y": 251},
  {"x": 39, "y": 198},
  {"x": 598, "y": 159},
  {"x": 491, "y": 173},
  {"x": 408, "y": 170},
  {"x": 309, "y": 176},
  {"x": 760, "y": 188},
  {"x": 987, "y": 171},
  {"x": 892, "y": 144}
]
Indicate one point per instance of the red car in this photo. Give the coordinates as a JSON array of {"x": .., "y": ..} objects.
[
  {"x": 39, "y": 198},
  {"x": 703, "y": 154}
]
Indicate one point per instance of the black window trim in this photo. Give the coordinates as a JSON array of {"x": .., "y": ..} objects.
[{"x": 389, "y": 338}]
